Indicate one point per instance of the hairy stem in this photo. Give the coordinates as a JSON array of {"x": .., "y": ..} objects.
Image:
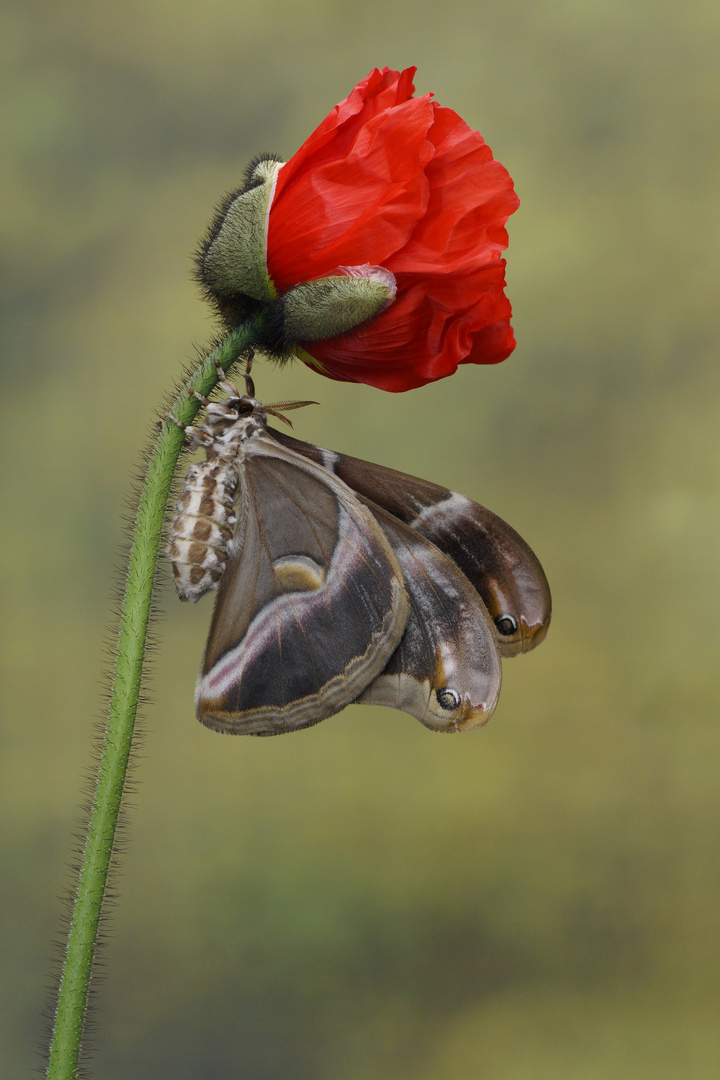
[{"x": 72, "y": 996}]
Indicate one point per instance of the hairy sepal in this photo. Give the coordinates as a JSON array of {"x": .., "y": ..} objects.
[
  {"x": 329, "y": 306},
  {"x": 232, "y": 260}
]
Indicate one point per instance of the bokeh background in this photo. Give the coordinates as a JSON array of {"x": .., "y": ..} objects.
[{"x": 368, "y": 899}]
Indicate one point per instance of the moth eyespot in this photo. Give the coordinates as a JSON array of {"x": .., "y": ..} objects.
[
  {"x": 448, "y": 699},
  {"x": 506, "y": 625}
]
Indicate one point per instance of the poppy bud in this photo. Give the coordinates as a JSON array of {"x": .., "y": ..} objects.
[{"x": 393, "y": 185}]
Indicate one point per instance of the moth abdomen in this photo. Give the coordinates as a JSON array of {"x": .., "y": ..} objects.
[{"x": 201, "y": 533}]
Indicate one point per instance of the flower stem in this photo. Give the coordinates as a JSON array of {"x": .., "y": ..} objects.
[{"x": 74, "y": 985}]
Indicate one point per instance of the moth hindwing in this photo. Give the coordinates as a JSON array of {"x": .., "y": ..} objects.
[
  {"x": 446, "y": 669},
  {"x": 311, "y": 602}
]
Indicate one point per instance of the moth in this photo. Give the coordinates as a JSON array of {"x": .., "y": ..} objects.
[{"x": 342, "y": 581}]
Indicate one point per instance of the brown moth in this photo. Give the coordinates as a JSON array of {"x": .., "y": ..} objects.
[{"x": 342, "y": 581}]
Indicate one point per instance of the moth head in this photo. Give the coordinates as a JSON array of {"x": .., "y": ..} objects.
[{"x": 222, "y": 417}]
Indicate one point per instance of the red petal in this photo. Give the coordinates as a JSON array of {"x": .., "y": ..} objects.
[
  {"x": 434, "y": 325},
  {"x": 404, "y": 183},
  {"x": 471, "y": 198},
  {"x": 381, "y": 90},
  {"x": 359, "y": 207}
]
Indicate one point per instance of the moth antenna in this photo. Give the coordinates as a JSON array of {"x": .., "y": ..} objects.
[
  {"x": 279, "y": 407},
  {"x": 278, "y": 416},
  {"x": 286, "y": 406}
]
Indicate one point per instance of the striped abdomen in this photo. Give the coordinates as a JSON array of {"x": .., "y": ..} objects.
[{"x": 201, "y": 532}]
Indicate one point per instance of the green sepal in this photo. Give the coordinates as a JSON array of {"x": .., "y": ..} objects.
[
  {"x": 330, "y": 306},
  {"x": 235, "y": 261}
]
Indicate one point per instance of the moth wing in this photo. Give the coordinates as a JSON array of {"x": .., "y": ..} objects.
[
  {"x": 446, "y": 670},
  {"x": 311, "y": 604},
  {"x": 493, "y": 556}
]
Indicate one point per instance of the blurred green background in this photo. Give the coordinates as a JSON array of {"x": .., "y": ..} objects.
[{"x": 368, "y": 899}]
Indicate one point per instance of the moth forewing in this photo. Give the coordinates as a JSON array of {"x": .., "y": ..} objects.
[
  {"x": 496, "y": 560},
  {"x": 311, "y": 605},
  {"x": 446, "y": 670}
]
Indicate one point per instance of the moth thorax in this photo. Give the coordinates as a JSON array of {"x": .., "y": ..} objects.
[
  {"x": 202, "y": 530},
  {"x": 230, "y": 421},
  {"x": 221, "y": 416}
]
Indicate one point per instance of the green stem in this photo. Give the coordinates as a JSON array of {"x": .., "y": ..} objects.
[{"x": 82, "y": 938}]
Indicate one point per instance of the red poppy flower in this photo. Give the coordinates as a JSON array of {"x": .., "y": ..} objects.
[{"x": 401, "y": 183}]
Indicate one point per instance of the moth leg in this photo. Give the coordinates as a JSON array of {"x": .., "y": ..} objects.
[
  {"x": 196, "y": 436},
  {"x": 225, "y": 384},
  {"x": 249, "y": 384},
  {"x": 176, "y": 422},
  {"x": 229, "y": 388}
]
